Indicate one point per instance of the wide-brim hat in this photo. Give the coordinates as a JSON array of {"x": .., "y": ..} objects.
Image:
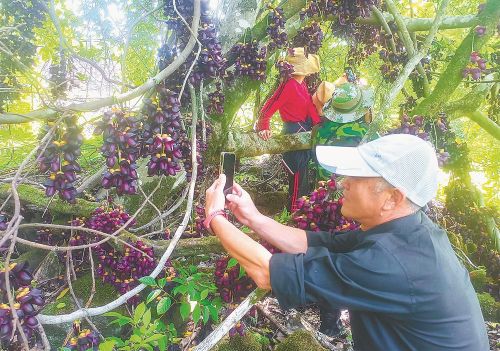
[
  {"x": 303, "y": 63},
  {"x": 345, "y": 103}
]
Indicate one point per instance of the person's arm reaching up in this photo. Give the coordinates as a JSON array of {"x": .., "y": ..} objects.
[
  {"x": 252, "y": 256},
  {"x": 287, "y": 239}
]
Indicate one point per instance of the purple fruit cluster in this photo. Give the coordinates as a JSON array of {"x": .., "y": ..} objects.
[
  {"x": 121, "y": 148},
  {"x": 216, "y": 100},
  {"x": 393, "y": 63},
  {"x": 162, "y": 134},
  {"x": 198, "y": 230},
  {"x": 231, "y": 288},
  {"x": 320, "y": 211},
  {"x": 4, "y": 221},
  {"x": 276, "y": 28},
  {"x": 108, "y": 220},
  {"x": 418, "y": 126},
  {"x": 285, "y": 69},
  {"x": 122, "y": 270},
  {"x": 27, "y": 300},
  {"x": 201, "y": 147},
  {"x": 476, "y": 68},
  {"x": 59, "y": 159},
  {"x": 250, "y": 60},
  {"x": 83, "y": 339},
  {"x": 211, "y": 62},
  {"x": 310, "y": 37}
]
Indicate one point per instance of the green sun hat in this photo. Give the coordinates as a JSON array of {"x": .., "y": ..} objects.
[{"x": 349, "y": 102}]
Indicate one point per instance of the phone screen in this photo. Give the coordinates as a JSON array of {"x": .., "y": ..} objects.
[{"x": 227, "y": 164}]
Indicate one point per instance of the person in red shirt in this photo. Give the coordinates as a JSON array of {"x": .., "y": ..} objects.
[{"x": 298, "y": 114}]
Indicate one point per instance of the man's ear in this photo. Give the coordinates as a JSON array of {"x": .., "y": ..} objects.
[{"x": 395, "y": 199}]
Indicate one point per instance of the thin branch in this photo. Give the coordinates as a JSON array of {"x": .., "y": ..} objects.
[
  {"x": 408, "y": 42},
  {"x": 93, "y": 105},
  {"x": 376, "y": 125},
  {"x": 238, "y": 313},
  {"x": 46, "y": 319},
  {"x": 129, "y": 34}
]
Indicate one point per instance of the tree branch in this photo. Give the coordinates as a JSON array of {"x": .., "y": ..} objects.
[
  {"x": 238, "y": 313},
  {"x": 452, "y": 76},
  {"x": 376, "y": 125}
]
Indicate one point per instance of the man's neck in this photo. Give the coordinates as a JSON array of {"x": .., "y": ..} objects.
[{"x": 372, "y": 223}]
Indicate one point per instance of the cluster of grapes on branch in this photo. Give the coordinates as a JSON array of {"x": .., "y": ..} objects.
[
  {"x": 59, "y": 159},
  {"x": 320, "y": 211},
  {"x": 309, "y": 37},
  {"x": 211, "y": 63},
  {"x": 83, "y": 339},
  {"x": 162, "y": 133},
  {"x": 27, "y": 302},
  {"x": 363, "y": 39},
  {"x": 476, "y": 68},
  {"x": 4, "y": 221},
  {"x": 437, "y": 132},
  {"x": 121, "y": 149},
  {"x": 250, "y": 60},
  {"x": 285, "y": 69},
  {"x": 393, "y": 63},
  {"x": 276, "y": 28},
  {"x": 122, "y": 270},
  {"x": 216, "y": 100}
]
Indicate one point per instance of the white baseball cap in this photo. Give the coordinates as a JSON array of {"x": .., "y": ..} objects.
[{"x": 405, "y": 161}]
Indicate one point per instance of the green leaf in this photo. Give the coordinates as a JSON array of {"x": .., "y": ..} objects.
[
  {"x": 185, "y": 309},
  {"x": 181, "y": 289},
  {"x": 61, "y": 295},
  {"x": 107, "y": 345},
  {"x": 162, "y": 282},
  {"x": 214, "y": 313},
  {"x": 162, "y": 343},
  {"x": 163, "y": 305},
  {"x": 147, "y": 280},
  {"x": 232, "y": 262},
  {"x": 153, "y": 295},
  {"x": 206, "y": 314},
  {"x": 113, "y": 314},
  {"x": 154, "y": 337},
  {"x": 139, "y": 311},
  {"x": 204, "y": 294},
  {"x": 242, "y": 272},
  {"x": 60, "y": 305},
  {"x": 135, "y": 338},
  {"x": 196, "y": 313},
  {"x": 146, "y": 317}
]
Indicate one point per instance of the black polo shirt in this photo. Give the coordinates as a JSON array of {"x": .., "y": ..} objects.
[{"x": 401, "y": 282}]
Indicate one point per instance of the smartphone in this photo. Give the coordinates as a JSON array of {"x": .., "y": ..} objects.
[
  {"x": 227, "y": 165},
  {"x": 351, "y": 77}
]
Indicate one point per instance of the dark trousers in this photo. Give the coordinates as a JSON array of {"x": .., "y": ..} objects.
[{"x": 296, "y": 165}]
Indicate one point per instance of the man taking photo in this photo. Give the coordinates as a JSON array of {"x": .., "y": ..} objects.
[{"x": 397, "y": 275}]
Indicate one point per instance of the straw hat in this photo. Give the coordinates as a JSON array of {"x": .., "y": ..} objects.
[
  {"x": 345, "y": 103},
  {"x": 303, "y": 63}
]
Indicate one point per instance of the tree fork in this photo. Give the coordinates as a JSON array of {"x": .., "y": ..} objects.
[{"x": 452, "y": 76}]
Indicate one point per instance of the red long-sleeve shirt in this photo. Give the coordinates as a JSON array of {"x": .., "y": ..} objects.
[{"x": 293, "y": 102}]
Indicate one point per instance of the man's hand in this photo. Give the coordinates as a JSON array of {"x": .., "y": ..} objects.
[
  {"x": 241, "y": 205},
  {"x": 214, "y": 196},
  {"x": 265, "y": 134}
]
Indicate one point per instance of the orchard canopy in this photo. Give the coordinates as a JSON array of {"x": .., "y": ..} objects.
[{"x": 112, "y": 118}]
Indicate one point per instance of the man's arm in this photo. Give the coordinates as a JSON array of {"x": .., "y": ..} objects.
[
  {"x": 250, "y": 254},
  {"x": 287, "y": 239}
]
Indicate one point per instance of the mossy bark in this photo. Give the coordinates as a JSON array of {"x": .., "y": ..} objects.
[{"x": 36, "y": 197}]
